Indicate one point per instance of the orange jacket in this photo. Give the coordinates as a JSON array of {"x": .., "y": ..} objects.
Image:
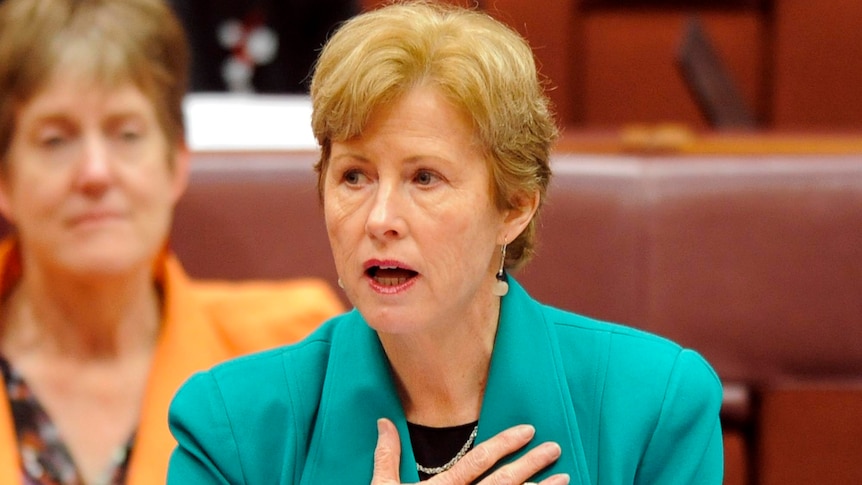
[{"x": 204, "y": 322}]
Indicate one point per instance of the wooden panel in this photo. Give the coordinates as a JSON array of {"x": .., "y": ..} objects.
[
  {"x": 700, "y": 4},
  {"x": 818, "y": 68},
  {"x": 372, "y": 4},
  {"x": 553, "y": 33},
  {"x": 811, "y": 434},
  {"x": 630, "y": 70},
  {"x": 736, "y": 459}
]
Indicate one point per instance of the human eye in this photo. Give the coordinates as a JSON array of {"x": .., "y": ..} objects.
[
  {"x": 353, "y": 177},
  {"x": 52, "y": 137},
  {"x": 54, "y": 141},
  {"x": 426, "y": 177},
  {"x": 128, "y": 131},
  {"x": 130, "y": 135}
]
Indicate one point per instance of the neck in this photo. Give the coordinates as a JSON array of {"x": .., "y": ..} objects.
[
  {"x": 80, "y": 320},
  {"x": 441, "y": 375}
]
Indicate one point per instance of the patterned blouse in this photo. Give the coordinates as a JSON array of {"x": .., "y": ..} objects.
[{"x": 44, "y": 458}]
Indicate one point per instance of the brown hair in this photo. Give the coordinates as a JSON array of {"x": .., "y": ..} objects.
[
  {"x": 107, "y": 41},
  {"x": 481, "y": 66}
]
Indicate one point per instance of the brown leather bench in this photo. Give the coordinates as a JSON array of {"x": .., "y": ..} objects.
[
  {"x": 755, "y": 261},
  {"x": 252, "y": 215}
]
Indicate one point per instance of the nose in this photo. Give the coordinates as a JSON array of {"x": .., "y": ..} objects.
[
  {"x": 385, "y": 219},
  {"x": 94, "y": 169}
]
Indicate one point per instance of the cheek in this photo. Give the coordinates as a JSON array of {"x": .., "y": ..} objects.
[
  {"x": 343, "y": 237},
  {"x": 36, "y": 194},
  {"x": 152, "y": 183},
  {"x": 462, "y": 236},
  {"x": 467, "y": 215},
  {"x": 334, "y": 218},
  {"x": 341, "y": 212}
]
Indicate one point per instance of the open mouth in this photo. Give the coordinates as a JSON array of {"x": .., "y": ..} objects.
[{"x": 390, "y": 275}]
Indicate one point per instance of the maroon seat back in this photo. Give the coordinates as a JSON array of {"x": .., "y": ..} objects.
[
  {"x": 252, "y": 216},
  {"x": 756, "y": 262}
]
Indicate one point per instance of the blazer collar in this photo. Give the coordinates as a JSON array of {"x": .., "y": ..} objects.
[{"x": 526, "y": 385}]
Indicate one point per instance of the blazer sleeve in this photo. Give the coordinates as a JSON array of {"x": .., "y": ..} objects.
[
  {"x": 206, "y": 451},
  {"x": 686, "y": 445}
]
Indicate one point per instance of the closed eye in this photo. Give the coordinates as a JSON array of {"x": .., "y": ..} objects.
[
  {"x": 130, "y": 135},
  {"x": 53, "y": 135},
  {"x": 127, "y": 128},
  {"x": 53, "y": 141}
]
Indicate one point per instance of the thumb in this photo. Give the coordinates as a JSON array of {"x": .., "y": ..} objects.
[{"x": 387, "y": 454}]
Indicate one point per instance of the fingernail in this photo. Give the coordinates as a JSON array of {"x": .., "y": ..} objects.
[
  {"x": 561, "y": 479},
  {"x": 525, "y": 431},
  {"x": 552, "y": 449},
  {"x": 381, "y": 429}
]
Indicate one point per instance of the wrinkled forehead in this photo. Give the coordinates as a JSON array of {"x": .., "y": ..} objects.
[
  {"x": 82, "y": 97},
  {"x": 74, "y": 74}
]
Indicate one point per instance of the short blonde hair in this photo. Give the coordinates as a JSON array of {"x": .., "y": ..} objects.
[
  {"x": 109, "y": 41},
  {"x": 482, "y": 66}
]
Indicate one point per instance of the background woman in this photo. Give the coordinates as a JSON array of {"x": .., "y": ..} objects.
[
  {"x": 98, "y": 323},
  {"x": 435, "y": 138}
]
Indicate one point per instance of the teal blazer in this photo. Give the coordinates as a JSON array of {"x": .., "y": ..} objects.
[{"x": 627, "y": 407}]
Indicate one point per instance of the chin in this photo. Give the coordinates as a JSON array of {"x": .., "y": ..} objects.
[
  {"x": 106, "y": 263},
  {"x": 393, "y": 321},
  {"x": 102, "y": 268}
]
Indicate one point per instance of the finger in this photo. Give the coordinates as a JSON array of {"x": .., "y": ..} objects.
[
  {"x": 387, "y": 454},
  {"x": 481, "y": 458},
  {"x": 526, "y": 466},
  {"x": 558, "y": 479}
]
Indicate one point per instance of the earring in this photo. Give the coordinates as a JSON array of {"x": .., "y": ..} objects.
[
  {"x": 501, "y": 287},
  {"x": 340, "y": 283}
]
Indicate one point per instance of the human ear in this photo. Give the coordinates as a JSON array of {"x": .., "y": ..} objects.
[
  {"x": 180, "y": 170},
  {"x": 5, "y": 193},
  {"x": 518, "y": 217}
]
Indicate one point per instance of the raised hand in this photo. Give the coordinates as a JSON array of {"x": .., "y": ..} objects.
[{"x": 387, "y": 457}]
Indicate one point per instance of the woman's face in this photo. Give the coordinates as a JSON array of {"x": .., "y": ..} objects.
[
  {"x": 413, "y": 228},
  {"x": 91, "y": 181}
]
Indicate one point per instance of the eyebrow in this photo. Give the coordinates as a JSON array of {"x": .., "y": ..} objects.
[
  {"x": 59, "y": 117},
  {"x": 48, "y": 120}
]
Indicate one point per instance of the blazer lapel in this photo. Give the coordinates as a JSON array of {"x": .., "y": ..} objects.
[
  {"x": 10, "y": 460},
  {"x": 358, "y": 391},
  {"x": 527, "y": 384},
  {"x": 187, "y": 343},
  {"x": 10, "y": 464}
]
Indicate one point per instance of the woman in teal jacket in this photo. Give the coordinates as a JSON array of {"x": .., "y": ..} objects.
[{"x": 435, "y": 139}]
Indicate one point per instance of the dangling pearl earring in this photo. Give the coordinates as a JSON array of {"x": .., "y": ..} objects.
[{"x": 501, "y": 287}]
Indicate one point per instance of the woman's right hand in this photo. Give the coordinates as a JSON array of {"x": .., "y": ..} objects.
[{"x": 387, "y": 458}]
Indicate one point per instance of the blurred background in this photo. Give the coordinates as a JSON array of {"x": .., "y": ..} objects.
[{"x": 622, "y": 74}]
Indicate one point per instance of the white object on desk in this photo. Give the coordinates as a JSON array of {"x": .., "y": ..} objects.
[{"x": 248, "y": 122}]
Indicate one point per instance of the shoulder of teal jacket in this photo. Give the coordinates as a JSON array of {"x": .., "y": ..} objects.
[
  {"x": 620, "y": 365},
  {"x": 621, "y": 381},
  {"x": 302, "y": 364},
  {"x": 633, "y": 375},
  {"x": 266, "y": 400},
  {"x": 626, "y": 344}
]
